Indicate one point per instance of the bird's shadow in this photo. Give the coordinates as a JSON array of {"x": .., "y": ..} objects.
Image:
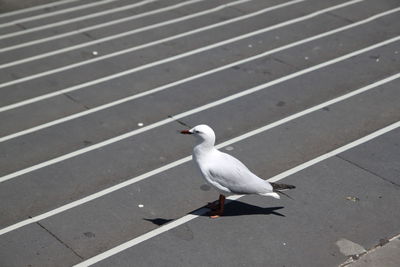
[
  {"x": 158, "y": 221},
  {"x": 232, "y": 208},
  {"x": 238, "y": 208}
]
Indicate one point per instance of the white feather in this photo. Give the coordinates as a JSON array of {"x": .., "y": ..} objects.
[{"x": 222, "y": 171}]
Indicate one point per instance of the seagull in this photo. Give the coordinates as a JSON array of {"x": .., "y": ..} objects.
[{"x": 226, "y": 174}]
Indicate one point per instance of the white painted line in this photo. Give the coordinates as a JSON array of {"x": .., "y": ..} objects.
[
  {"x": 162, "y": 61},
  {"x": 89, "y": 16},
  {"x": 310, "y": 110},
  {"x": 58, "y": 12},
  {"x": 335, "y": 152},
  {"x": 193, "y": 111},
  {"x": 120, "y": 35},
  {"x": 94, "y": 196},
  {"x": 21, "y": 11},
  {"x": 70, "y": 48},
  {"x": 146, "y": 236},
  {"x": 186, "y": 159},
  {"x": 199, "y": 212},
  {"x": 218, "y": 8},
  {"x": 89, "y": 28},
  {"x": 166, "y": 86}
]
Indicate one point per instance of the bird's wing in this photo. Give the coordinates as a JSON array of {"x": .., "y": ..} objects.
[{"x": 232, "y": 174}]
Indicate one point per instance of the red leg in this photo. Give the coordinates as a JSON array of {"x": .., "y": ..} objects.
[{"x": 218, "y": 212}]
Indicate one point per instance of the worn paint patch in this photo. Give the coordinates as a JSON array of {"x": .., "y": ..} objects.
[
  {"x": 386, "y": 255},
  {"x": 349, "y": 248}
]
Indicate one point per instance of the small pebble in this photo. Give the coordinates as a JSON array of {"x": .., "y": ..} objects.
[
  {"x": 250, "y": 45},
  {"x": 140, "y": 205},
  {"x": 229, "y": 148},
  {"x": 396, "y": 52},
  {"x": 354, "y": 199},
  {"x": 284, "y": 243},
  {"x": 95, "y": 53},
  {"x": 140, "y": 124},
  {"x": 306, "y": 58}
]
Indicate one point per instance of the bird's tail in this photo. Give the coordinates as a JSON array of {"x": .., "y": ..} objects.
[
  {"x": 281, "y": 187},
  {"x": 271, "y": 194},
  {"x": 278, "y": 188}
]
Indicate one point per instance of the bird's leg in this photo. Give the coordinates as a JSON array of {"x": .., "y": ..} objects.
[{"x": 218, "y": 212}]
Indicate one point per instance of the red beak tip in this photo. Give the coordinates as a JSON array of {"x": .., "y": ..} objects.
[{"x": 185, "y": 132}]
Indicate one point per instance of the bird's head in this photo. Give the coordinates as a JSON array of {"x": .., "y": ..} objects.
[{"x": 203, "y": 134}]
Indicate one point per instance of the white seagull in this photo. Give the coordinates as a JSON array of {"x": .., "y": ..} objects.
[{"x": 225, "y": 173}]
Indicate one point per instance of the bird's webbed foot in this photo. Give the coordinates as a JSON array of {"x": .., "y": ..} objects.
[
  {"x": 215, "y": 214},
  {"x": 217, "y": 207}
]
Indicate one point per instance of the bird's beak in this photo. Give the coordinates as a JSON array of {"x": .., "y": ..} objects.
[{"x": 186, "y": 132}]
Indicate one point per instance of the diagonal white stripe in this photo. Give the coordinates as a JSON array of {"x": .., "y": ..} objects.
[
  {"x": 199, "y": 212},
  {"x": 166, "y": 60},
  {"x": 186, "y": 159},
  {"x": 102, "y": 25},
  {"x": 62, "y": 11},
  {"x": 166, "y": 86},
  {"x": 94, "y": 15},
  {"x": 193, "y": 111},
  {"x": 120, "y": 35},
  {"x": 37, "y": 7}
]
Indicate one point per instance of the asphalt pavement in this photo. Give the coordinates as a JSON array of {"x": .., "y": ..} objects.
[{"x": 94, "y": 172}]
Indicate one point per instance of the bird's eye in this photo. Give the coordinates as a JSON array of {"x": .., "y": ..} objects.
[{"x": 196, "y": 131}]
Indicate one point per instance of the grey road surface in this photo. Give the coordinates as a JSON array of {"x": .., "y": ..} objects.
[{"x": 94, "y": 172}]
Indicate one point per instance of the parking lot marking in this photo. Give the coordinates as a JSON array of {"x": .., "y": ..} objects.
[
  {"x": 68, "y": 21},
  {"x": 158, "y": 62},
  {"x": 209, "y": 72},
  {"x": 193, "y": 111},
  {"x": 186, "y": 159},
  {"x": 197, "y": 213},
  {"x": 58, "y": 12},
  {"x": 111, "y": 37},
  {"x": 37, "y": 7}
]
